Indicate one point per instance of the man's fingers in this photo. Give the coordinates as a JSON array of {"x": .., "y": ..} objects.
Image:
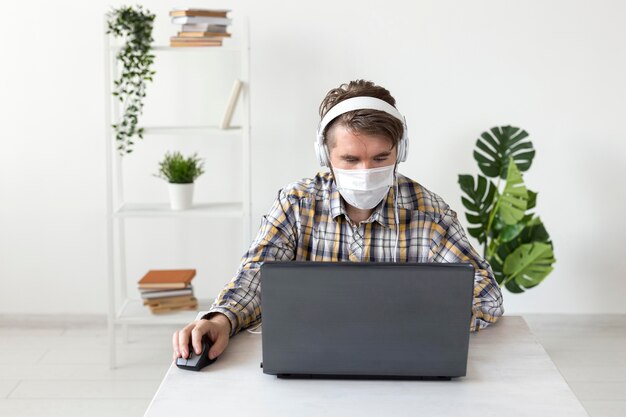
[
  {"x": 183, "y": 342},
  {"x": 175, "y": 345},
  {"x": 219, "y": 345},
  {"x": 196, "y": 339}
]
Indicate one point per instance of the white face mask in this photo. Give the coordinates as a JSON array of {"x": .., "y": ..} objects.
[{"x": 364, "y": 188}]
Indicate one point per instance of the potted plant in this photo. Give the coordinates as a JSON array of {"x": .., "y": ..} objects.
[
  {"x": 515, "y": 241},
  {"x": 180, "y": 173}
]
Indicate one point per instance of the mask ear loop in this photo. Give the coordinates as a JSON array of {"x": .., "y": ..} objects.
[{"x": 395, "y": 208}]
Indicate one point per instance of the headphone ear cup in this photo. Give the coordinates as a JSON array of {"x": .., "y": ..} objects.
[
  {"x": 403, "y": 145},
  {"x": 403, "y": 149},
  {"x": 320, "y": 151},
  {"x": 317, "y": 152},
  {"x": 401, "y": 152}
]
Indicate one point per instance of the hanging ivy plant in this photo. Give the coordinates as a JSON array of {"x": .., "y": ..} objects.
[{"x": 134, "y": 26}]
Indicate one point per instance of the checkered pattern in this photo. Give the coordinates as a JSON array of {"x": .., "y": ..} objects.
[{"x": 308, "y": 222}]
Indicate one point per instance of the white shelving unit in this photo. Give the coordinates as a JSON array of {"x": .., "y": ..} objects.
[{"x": 123, "y": 309}]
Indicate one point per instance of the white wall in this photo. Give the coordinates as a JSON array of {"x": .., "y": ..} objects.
[{"x": 456, "y": 69}]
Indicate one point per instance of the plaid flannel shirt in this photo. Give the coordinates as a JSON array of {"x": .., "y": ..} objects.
[{"x": 308, "y": 222}]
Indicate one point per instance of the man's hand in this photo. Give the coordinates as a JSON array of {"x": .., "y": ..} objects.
[{"x": 217, "y": 328}]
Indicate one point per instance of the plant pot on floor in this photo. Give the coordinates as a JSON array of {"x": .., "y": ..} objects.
[{"x": 181, "y": 196}]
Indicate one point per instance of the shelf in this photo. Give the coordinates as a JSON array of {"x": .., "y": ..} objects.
[
  {"x": 163, "y": 210},
  {"x": 134, "y": 312},
  {"x": 192, "y": 130},
  {"x": 122, "y": 309},
  {"x": 167, "y": 48}
]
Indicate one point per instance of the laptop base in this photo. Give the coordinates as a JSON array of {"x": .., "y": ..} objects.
[{"x": 365, "y": 377}]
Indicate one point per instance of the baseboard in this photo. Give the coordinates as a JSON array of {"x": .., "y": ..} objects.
[{"x": 52, "y": 320}]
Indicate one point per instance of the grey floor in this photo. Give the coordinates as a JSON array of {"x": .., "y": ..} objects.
[{"x": 55, "y": 369}]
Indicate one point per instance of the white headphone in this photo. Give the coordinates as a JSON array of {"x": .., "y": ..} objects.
[{"x": 358, "y": 103}]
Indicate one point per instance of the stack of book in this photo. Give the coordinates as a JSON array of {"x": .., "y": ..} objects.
[
  {"x": 200, "y": 27},
  {"x": 168, "y": 290}
]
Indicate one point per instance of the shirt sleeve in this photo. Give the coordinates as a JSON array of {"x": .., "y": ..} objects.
[
  {"x": 454, "y": 247},
  {"x": 276, "y": 240}
]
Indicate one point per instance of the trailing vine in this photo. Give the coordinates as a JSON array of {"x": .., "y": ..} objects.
[{"x": 134, "y": 25}]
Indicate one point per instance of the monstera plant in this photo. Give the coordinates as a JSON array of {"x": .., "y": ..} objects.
[{"x": 501, "y": 214}]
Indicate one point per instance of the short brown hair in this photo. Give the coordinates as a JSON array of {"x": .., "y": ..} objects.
[{"x": 364, "y": 121}]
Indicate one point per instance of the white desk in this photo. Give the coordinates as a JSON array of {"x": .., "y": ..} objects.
[{"x": 508, "y": 374}]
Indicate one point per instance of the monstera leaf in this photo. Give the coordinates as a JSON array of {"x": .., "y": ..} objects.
[
  {"x": 501, "y": 247},
  {"x": 532, "y": 200},
  {"x": 511, "y": 231},
  {"x": 529, "y": 264},
  {"x": 513, "y": 202},
  {"x": 496, "y": 147},
  {"x": 534, "y": 231},
  {"x": 479, "y": 202},
  {"x": 496, "y": 266}
]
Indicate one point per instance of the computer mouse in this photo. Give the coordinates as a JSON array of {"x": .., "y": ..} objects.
[{"x": 196, "y": 362}]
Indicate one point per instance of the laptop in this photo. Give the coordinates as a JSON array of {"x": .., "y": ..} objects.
[{"x": 366, "y": 320}]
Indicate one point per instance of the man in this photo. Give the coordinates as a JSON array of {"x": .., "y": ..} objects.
[{"x": 362, "y": 210}]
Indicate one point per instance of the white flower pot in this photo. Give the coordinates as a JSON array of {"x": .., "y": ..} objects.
[{"x": 181, "y": 196}]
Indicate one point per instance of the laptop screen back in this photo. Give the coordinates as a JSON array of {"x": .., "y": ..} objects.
[{"x": 367, "y": 319}]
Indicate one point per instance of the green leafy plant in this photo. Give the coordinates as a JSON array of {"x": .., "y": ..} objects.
[
  {"x": 515, "y": 241},
  {"x": 177, "y": 169},
  {"x": 134, "y": 25}
]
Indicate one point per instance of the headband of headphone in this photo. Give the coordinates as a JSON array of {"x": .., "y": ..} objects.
[{"x": 359, "y": 103}]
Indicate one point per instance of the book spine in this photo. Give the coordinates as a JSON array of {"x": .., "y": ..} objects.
[
  {"x": 192, "y": 27},
  {"x": 180, "y": 20},
  {"x": 203, "y": 35}
]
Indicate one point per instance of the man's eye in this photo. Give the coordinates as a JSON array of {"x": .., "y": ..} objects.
[{"x": 380, "y": 159}]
